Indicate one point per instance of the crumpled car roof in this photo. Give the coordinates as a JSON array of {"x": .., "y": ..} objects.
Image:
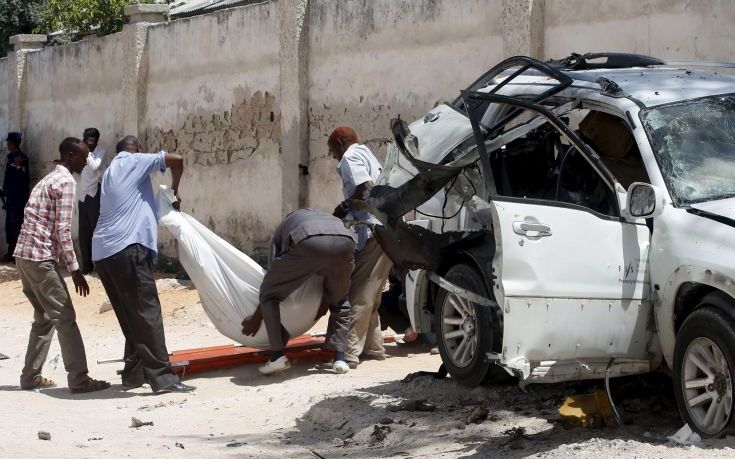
[{"x": 651, "y": 86}]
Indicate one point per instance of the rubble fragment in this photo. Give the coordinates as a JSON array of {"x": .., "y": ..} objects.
[
  {"x": 477, "y": 416},
  {"x": 43, "y": 435},
  {"x": 105, "y": 307},
  {"x": 412, "y": 405},
  {"x": 136, "y": 423},
  {"x": 235, "y": 444},
  {"x": 587, "y": 410},
  {"x": 379, "y": 433}
]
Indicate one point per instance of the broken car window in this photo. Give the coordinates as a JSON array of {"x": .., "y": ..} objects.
[{"x": 694, "y": 143}]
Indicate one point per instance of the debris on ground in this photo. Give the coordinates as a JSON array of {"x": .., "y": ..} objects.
[
  {"x": 135, "y": 423},
  {"x": 412, "y": 405},
  {"x": 441, "y": 373},
  {"x": 477, "y": 416},
  {"x": 516, "y": 437},
  {"x": 43, "y": 435},
  {"x": 235, "y": 444},
  {"x": 386, "y": 421},
  {"x": 94, "y": 439},
  {"x": 179, "y": 445},
  {"x": 587, "y": 410},
  {"x": 379, "y": 433},
  {"x": 686, "y": 436},
  {"x": 105, "y": 307}
]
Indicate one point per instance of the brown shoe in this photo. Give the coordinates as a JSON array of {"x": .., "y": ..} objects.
[
  {"x": 39, "y": 382},
  {"x": 91, "y": 385}
]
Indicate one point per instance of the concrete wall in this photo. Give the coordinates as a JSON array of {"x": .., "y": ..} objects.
[
  {"x": 70, "y": 88},
  {"x": 249, "y": 95},
  {"x": 212, "y": 88},
  {"x": 683, "y": 29},
  {"x": 4, "y": 128},
  {"x": 370, "y": 61}
]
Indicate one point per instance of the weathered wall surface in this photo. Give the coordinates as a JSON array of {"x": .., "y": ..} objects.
[
  {"x": 4, "y": 101},
  {"x": 372, "y": 60},
  {"x": 683, "y": 29},
  {"x": 70, "y": 88},
  {"x": 4, "y": 128},
  {"x": 249, "y": 95},
  {"x": 212, "y": 87}
]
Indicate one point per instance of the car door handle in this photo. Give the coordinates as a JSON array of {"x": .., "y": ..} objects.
[{"x": 523, "y": 228}]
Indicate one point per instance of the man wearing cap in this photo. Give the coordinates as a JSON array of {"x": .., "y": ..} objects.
[
  {"x": 15, "y": 192},
  {"x": 359, "y": 169}
]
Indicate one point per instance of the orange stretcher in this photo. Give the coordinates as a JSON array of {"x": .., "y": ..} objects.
[{"x": 212, "y": 358}]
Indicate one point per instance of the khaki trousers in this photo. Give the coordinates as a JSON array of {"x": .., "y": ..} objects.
[
  {"x": 372, "y": 267},
  {"x": 45, "y": 288}
]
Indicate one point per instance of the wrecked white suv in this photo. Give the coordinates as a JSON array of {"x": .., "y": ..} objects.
[{"x": 565, "y": 219}]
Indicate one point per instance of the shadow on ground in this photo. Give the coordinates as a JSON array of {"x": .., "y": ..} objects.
[{"x": 519, "y": 423}]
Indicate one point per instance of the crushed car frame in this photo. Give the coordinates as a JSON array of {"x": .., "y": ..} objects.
[{"x": 589, "y": 205}]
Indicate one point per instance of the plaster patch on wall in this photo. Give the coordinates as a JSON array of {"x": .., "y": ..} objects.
[
  {"x": 250, "y": 127},
  {"x": 230, "y": 157}
]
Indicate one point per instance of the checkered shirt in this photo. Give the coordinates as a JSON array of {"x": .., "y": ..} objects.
[{"x": 46, "y": 231}]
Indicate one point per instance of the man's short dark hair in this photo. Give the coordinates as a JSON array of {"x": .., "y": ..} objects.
[
  {"x": 68, "y": 145},
  {"x": 127, "y": 143},
  {"x": 91, "y": 132}
]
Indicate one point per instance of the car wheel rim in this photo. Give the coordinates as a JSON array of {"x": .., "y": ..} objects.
[
  {"x": 707, "y": 386},
  {"x": 459, "y": 330}
]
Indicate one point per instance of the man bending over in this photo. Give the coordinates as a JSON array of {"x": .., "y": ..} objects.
[{"x": 306, "y": 243}]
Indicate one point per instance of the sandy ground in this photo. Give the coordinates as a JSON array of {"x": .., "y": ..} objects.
[{"x": 307, "y": 412}]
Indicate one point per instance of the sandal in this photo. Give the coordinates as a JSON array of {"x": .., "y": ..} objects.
[
  {"x": 39, "y": 382},
  {"x": 91, "y": 385}
]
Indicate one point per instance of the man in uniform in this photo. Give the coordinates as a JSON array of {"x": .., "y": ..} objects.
[{"x": 15, "y": 192}]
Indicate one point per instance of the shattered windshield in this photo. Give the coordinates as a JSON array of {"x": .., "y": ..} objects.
[{"x": 694, "y": 143}]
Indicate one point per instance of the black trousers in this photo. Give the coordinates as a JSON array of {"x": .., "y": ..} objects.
[
  {"x": 13, "y": 223},
  {"x": 89, "y": 213},
  {"x": 128, "y": 281}
]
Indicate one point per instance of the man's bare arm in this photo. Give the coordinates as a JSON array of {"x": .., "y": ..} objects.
[
  {"x": 361, "y": 193},
  {"x": 176, "y": 164},
  {"x": 362, "y": 190}
]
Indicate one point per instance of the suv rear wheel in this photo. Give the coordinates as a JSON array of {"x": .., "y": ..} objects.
[
  {"x": 703, "y": 369},
  {"x": 466, "y": 331}
]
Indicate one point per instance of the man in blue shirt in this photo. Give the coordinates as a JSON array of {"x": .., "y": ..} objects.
[
  {"x": 15, "y": 192},
  {"x": 124, "y": 247}
]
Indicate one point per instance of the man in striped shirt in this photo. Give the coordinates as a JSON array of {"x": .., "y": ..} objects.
[{"x": 45, "y": 242}]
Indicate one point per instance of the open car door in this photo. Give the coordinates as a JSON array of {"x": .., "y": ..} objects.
[
  {"x": 571, "y": 278},
  {"x": 411, "y": 246}
]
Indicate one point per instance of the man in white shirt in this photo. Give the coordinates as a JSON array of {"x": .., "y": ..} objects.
[
  {"x": 359, "y": 169},
  {"x": 88, "y": 195}
]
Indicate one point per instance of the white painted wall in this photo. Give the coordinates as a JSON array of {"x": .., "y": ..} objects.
[
  {"x": 370, "y": 61},
  {"x": 682, "y": 29},
  {"x": 4, "y": 128},
  {"x": 70, "y": 88},
  {"x": 212, "y": 84}
]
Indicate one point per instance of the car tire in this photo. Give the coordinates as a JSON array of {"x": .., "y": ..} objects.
[
  {"x": 477, "y": 328},
  {"x": 704, "y": 365}
]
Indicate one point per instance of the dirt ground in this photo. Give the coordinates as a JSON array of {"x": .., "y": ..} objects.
[{"x": 306, "y": 412}]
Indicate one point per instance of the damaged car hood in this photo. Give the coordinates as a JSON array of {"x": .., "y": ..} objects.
[{"x": 722, "y": 210}]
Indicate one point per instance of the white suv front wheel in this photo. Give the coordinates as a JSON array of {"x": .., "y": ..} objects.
[
  {"x": 703, "y": 370},
  {"x": 466, "y": 332}
]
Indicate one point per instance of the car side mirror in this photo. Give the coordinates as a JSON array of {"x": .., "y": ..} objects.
[{"x": 644, "y": 200}]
